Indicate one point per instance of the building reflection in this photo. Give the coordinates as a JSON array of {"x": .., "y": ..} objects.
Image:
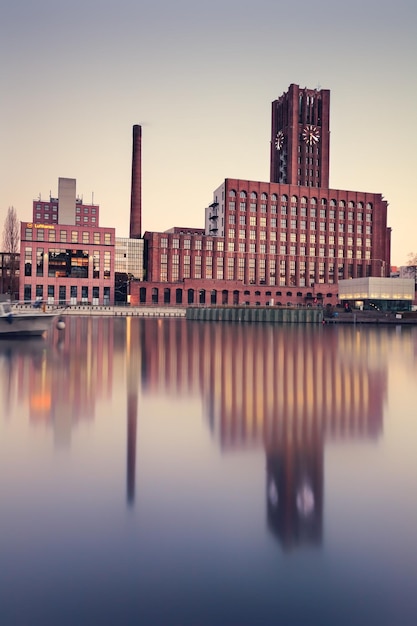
[{"x": 286, "y": 389}]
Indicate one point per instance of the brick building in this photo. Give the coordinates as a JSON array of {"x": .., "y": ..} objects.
[
  {"x": 284, "y": 242},
  {"x": 65, "y": 256}
]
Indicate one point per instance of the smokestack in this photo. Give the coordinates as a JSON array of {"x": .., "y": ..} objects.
[{"x": 136, "y": 191}]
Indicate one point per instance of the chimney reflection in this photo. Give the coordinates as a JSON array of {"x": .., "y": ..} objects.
[{"x": 133, "y": 364}]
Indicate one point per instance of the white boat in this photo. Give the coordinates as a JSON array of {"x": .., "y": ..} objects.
[{"x": 26, "y": 322}]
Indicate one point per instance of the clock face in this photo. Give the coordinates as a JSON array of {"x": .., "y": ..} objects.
[
  {"x": 279, "y": 140},
  {"x": 311, "y": 135}
]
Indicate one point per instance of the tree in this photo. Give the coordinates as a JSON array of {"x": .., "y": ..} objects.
[
  {"x": 11, "y": 232},
  {"x": 11, "y": 242},
  {"x": 412, "y": 258}
]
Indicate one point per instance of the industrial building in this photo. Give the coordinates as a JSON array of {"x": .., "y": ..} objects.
[
  {"x": 283, "y": 242},
  {"x": 65, "y": 256}
]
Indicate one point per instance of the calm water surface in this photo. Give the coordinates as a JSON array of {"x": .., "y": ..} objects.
[{"x": 164, "y": 472}]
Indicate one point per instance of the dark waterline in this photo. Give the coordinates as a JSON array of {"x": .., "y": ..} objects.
[{"x": 173, "y": 472}]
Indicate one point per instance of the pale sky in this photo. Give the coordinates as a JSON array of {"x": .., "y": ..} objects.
[{"x": 200, "y": 78}]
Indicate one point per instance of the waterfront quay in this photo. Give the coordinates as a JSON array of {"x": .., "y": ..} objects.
[{"x": 280, "y": 315}]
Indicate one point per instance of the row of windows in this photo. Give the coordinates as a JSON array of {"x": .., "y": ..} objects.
[
  {"x": 54, "y": 209},
  {"x": 262, "y": 271},
  {"x": 63, "y": 293},
  {"x": 273, "y": 221},
  {"x": 59, "y": 263},
  {"x": 45, "y": 218},
  {"x": 46, "y": 207},
  {"x": 75, "y": 236},
  {"x": 186, "y": 244},
  {"x": 304, "y": 200}
]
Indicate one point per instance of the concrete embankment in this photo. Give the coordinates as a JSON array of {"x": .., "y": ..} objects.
[{"x": 255, "y": 314}]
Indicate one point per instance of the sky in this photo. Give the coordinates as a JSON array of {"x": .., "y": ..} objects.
[{"x": 200, "y": 78}]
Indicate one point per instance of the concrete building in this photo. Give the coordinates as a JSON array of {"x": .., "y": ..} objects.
[
  {"x": 288, "y": 241},
  {"x": 380, "y": 294},
  {"x": 65, "y": 256}
]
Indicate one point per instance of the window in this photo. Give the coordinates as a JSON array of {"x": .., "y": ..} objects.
[
  {"x": 199, "y": 243},
  {"x": 86, "y": 237},
  {"x": 242, "y": 206},
  {"x": 232, "y": 219},
  {"x": 252, "y": 220},
  {"x": 220, "y": 246},
  {"x": 74, "y": 236},
  {"x": 187, "y": 244},
  {"x": 209, "y": 245},
  {"x": 28, "y": 234},
  {"x": 243, "y": 194},
  {"x": 164, "y": 242},
  {"x": 96, "y": 239}
]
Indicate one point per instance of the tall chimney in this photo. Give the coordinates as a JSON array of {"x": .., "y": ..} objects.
[{"x": 136, "y": 191}]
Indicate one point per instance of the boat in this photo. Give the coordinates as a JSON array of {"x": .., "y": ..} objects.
[{"x": 34, "y": 321}]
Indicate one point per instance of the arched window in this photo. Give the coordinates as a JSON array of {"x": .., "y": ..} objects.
[
  {"x": 303, "y": 200},
  {"x": 324, "y": 201},
  {"x": 332, "y": 202},
  {"x": 284, "y": 198},
  {"x": 289, "y": 293},
  {"x": 313, "y": 201},
  {"x": 232, "y": 193},
  {"x": 243, "y": 194},
  {"x": 342, "y": 203},
  {"x": 264, "y": 196},
  {"x": 253, "y": 195},
  {"x": 369, "y": 206},
  {"x": 351, "y": 204},
  {"x": 360, "y": 205},
  {"x": 274, "y": 197},
  {"x": 294, "y": 198},
  {"x": 257, "y": 293},
  {"x": 178, "y": 296}
]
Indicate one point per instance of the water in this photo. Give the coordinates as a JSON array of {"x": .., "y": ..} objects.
[{"x": 165, "y": 472}]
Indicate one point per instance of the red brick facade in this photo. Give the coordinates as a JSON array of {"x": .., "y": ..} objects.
[{"x": 279, "y": 243}]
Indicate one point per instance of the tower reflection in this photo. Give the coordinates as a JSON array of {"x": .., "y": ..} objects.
[{"x": 284, "y": 388}]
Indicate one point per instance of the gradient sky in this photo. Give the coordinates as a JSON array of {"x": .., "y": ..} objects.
[{"x": 200, "y": 78}]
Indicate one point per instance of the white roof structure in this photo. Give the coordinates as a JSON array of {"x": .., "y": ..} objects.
[{"x": 373, "y": 288}]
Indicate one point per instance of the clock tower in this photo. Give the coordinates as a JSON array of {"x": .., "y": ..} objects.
[{"x": 300, "y": 137}]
